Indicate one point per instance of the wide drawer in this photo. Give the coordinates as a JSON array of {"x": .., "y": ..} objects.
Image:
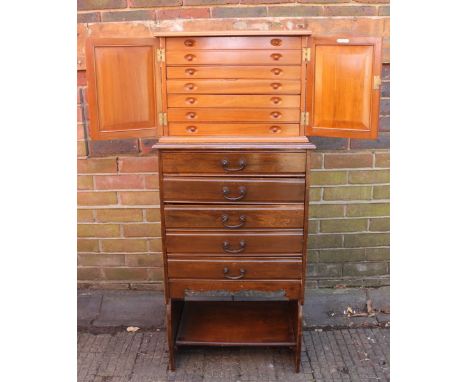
[
  {"x": 242, "y": 101},
  {"x": 232, "y": 115},
  {"x": 233, "y": 162},
  {"x": 233, "y": 42},
  {"x": 234, "y": 57},
  {"x": 278, "y": 289},
  {"x": 250, "y": 71},
  {"x": 231, "y": 129},
  {"x": 235, "y": 269},
  {"x": 234, "y": 86},
  {"x": 233, "y": 217},
  {"x": 228, "y": 243}
]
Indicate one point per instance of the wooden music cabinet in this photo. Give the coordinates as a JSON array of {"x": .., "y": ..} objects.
[{"x": 232, "y": 113}]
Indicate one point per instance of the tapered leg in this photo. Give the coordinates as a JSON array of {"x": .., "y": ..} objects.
[
  {"x": 170, "y": 335},
  {"x": 297, "y": 355}
]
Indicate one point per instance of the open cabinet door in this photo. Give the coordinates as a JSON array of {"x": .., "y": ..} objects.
[
  {"x": 343, "y": 87},
  {"x": 123, "y": 81}
]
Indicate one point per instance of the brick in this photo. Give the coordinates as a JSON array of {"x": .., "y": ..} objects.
[
  {"x": 85, "y": 5},
  {"x": 113, "y": 147},
  {"x": 326, "y": 210},
  {"x": 119, "y": 182},
  {"x": 366, "y": 240},
  {"x": 382, "y": 142},
  {"x": 381, "y": 192},
  {"x": 86, "y": 198},
  {"x": 325, "y": 143},
  {"x": 385, "y": 89},
  {"x": 155, "y": 274},
  {"x": 185, "y": 13},
  {"x": 379, "y": 224},
  {"x": 239, "y": 12},
  {"x": 80, "y": 131},
  {"x": 382, "y": 160},
  {"x": 325, "y": 241},
  {"x": 98, "y": 230},
  {"x": 154, "y": 3},
  {"x": 146, "y": 145},
  {"x": 358, "y": 160},
  {"x": 89, "y": 17},
  {"x": 139, "y": 197},
  {"x": 313, "y": 256},
  {"x": 295, "y": 11},
  {"x": 347, "y": 193},
  {"x": 384, "y": 10},
  {"x": 364, "y": 269},
  {"x": 153, "y": 286},
  {"x": 328, "y": 177},
  {"x": 87, "y": 245},
  {"x": 153, "y": 215},
  {"x": 85, "y": 216},
  {"x": 119, "y": 215},
  {"x": 316, "y": 160},
  {"x": 81, "y": 77},
  {"x": 384, "y": 106},
  {"x": 368, "y": 209},
  {"x": 343, "y": 225},
  {"x": 100, "y": 259},
  {"x": 97, "y": 165},
  {"x": 344, "y": 10},
  {"x": 322, "y": 1},
  {"x": 315, "y": 194},
  {"x": 89, "y": 274},
  {"x": 326, "y": 270},
  {"x": 155, "y": 245},
  {"x": 128, "y": 16},
  {"x": 340, "y": 255},
  {"x": 210, "y": 2},
  {"x": 125, "y": 273},
  {"x": 138, "y": 164},
  {"x": 384, "y": 123},
  {"x": 313, "y": 226},
  {"x": 152, "y": 182},
  {"x": 372, "y": 1},
  {"x": 142, "y": 230},
  {"x": 85, "y": 182},
  {"x": 81, "y": 148},
  {"x": 378, "y": 254},
  {"x": 381, "y": 280},
  {"x": 385, "y": 72},
  {"x": 153, "y": 260},
  {"x": 124, "y": 245},
  {"x": 369, "y": 177}
]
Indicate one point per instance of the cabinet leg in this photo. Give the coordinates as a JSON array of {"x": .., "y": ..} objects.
[
  {"x": 170, "y": 335},
  {"x": 297, "y": 355}
]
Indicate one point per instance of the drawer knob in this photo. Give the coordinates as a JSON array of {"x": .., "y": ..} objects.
[
  {"x": 226, "y": 274},
  {"x": 276, "y": 85},
  {"x": 276, "y": 71},
  {"x": 225, "y": 219},
  {"x": 275, "y": 129},
  {"x": 191, "y": 129},
  {"x": 227, "y": 191},
  {"x": 228, "y": 249},
  {"x": 275, "y": 114},
  {"x": 191, "y": 115},
  {"x": 189, "y": 57},
  {"x": 189, "y": 42},
  {"x": 189, "y": 86},
  {"x": 275, "y": 42},
  {"x": 276, "y": 100},
  {"x": 190, "y": 71},
  {"x": 191, "y": 100},
  {"x": 225, "y": 163},
  {"x": 276, "y": 56}
]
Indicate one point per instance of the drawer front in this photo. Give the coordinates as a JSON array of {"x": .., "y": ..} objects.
[
  {"x": 234, "y": 86},
  {"x": 233, "y": 163},
  {"x": 240, "y": 101},
  {"x": 234, "y": 57},
  {"x": 234, "y": 217},
  {"x": 234, "y": 42},
  {"x": 229, "y": 115},
  {"x": 181, "y": 288},
  {"x": 256, "y": 72},
  {"x": 235, "y": 269},
  {"x": 231, "y": 129},
  {"x": 238, "y": 243}
]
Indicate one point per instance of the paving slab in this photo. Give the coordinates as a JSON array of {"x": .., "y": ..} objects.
[{"x": 88, "y": 306}]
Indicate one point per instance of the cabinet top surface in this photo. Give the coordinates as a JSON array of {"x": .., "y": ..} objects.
[
  {"x": 236, "y": 33},
  {"x": 241, "y": 146}
]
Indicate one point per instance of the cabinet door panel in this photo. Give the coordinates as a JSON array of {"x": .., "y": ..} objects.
[{"x": 343, "y": 87}]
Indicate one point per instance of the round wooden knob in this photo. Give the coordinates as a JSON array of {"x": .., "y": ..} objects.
[
  {"x": 191, "y": 115},
  {"x": 275, "y": 42},
  {"x": 191, "y": 129},
  {"x": 275, "y": 85},
  {"x": 189, "y": 86},
  {"x": 276, "y": 100},
  {"x": 190, "y": 71},
  {"x": 275, "y": 129},
  {"x": 276, "y": 56},
  {"x": 189, "y": 42},
  {"x": 275, "y": 114},
  {"x": 191, "y": 100},
  {"x": 276, "y": 71},
  {"x": 189, "y": 57}
]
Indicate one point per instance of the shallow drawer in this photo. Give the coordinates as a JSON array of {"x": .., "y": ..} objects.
[
  {"x": 232, "y": 115},
  {"x": 233, "y": 42},
  {"x": 234, "y": 57},
  {"x": 240, "y": 101},
  {"x": 233, "y": 162},
  {"x": 230, "y": 129},
  {"x": 234, "y": 217},
  {"x": 181, "y": 288},
  {"x": 234, "y": 86},
  {"x": 228, "y": 243},
  {"x": 236, "y": 269},
  {"x": 257, "y": 72}
]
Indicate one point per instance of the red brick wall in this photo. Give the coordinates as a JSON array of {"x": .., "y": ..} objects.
[{"x": 119, "y": 243}]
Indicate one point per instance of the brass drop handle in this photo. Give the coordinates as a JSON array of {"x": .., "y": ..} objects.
[
  {"x": 189, "y": 86},
  {"x": 189, "y": 57},
  {"x": 225, "y": 219},
  {"x": 227, "y": 191},
  {"x": 191, "y": 115},
  {"x": 276, "y": 100},
  {"x": 225, "y": 163},
  {"x": 191, "y": 129},
  {"x": 226, "y": 276},
  {"x": 189, "y": 42},
  {"x": 227, "y": 247},
  {"x": 276, "y": 71},
  {"x": 191, "y": 100},
  {"x": 275, "y": 129},
  {"x": 276, "y": 56},
  {"x": 275, "y": 114},
  {"x": 276, "y": 85},
  {"x": 190, "y": 71},
  {"x": 275, "y": 42}
]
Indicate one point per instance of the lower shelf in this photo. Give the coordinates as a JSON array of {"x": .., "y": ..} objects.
[{"x": 236, "y": 323}]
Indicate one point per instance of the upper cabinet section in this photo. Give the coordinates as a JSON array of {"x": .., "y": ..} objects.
[
  {"x": 343, "y": 87},
  {"x": 123, "y": 81}
]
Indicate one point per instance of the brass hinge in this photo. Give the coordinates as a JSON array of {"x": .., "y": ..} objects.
[
  {"x": 162, "y": 119},
  {"x": 304, "y": 118},
  {"x": 306, "y": 54},
  {"x": 161, "y": 55},
  {"x": 377, "y": 82}
]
